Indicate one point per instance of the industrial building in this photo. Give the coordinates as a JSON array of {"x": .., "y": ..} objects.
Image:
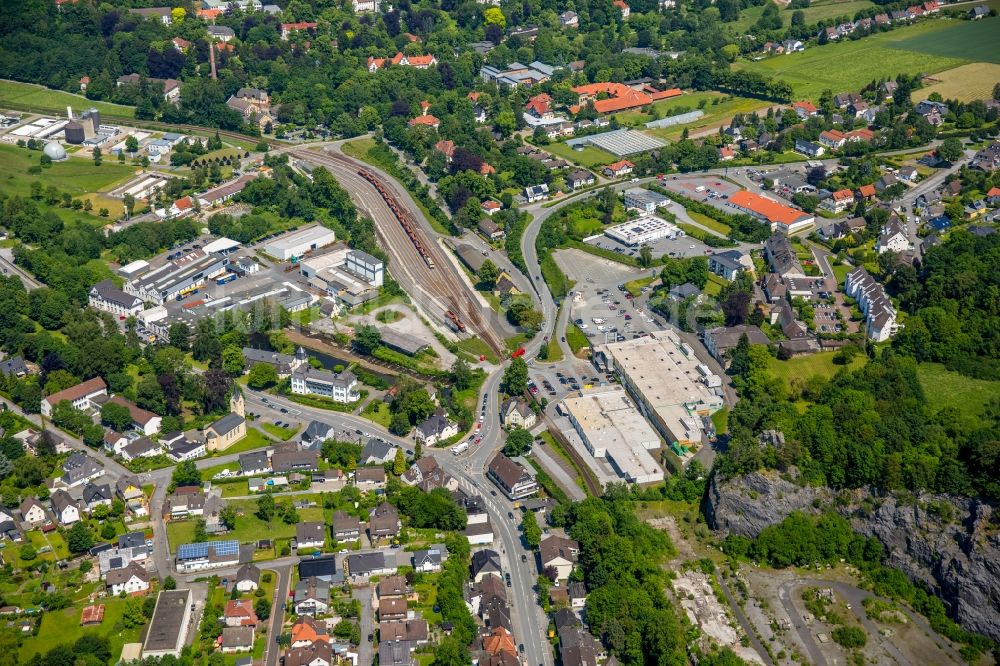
[
  {"x": 176, "y": 278},
  {"x": 298, "y": 243},
  {"x": 612, "y": 428},
  {"x": 84, "y": 128},
  {"x": 208, "y": 555},
  {"x": 643, "y": 230},
  {"x": 661, "y": 374},
  {"x": 643, "y": 200},
  {"x": 350, "y": 276},
  {"x": 169, "y": 627}
]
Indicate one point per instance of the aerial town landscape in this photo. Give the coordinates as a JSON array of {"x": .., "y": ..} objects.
[{"x": 582, "y": 333}]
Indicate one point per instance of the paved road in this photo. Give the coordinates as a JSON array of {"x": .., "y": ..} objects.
[
  {"x": 741, "y": 617},
  {"x": 273, "y": 650},
  {"x": 8, "y": 268},
  {"x": 557, "y": 471},
  {"x": 366, "y": 623}
]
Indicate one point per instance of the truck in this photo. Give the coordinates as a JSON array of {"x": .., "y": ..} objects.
[
  {"x": 464, "y": 446},
  {"x": 228, "y": 277}
]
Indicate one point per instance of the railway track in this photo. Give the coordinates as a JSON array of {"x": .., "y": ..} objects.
[{"x": 417, "y": 262}]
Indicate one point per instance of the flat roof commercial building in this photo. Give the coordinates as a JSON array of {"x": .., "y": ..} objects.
[
  {"x": 168, "y": 629},
  {"x": 643, "y": 230},
  {"x": 612, "y": 428},
  {"x": 350, "y": 276},
  {"x": 297, "y": 243},
  {"x": 644, "y": 200},
  {"x": 661, "y": 374}
]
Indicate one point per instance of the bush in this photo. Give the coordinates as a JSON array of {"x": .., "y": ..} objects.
[{"x": 850, "y": 637}]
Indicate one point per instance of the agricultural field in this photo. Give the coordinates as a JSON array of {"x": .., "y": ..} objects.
[
  {"x": 44, "y": 99},
  {"x": 965, "y": 83},
  {"x": 76, "y": 176},
  {"x": 945, "y": 388},
  {"x": 588, "y": 157},
  {"x": 810, "y": 365},
  {"x": 968, "y": 40},
  {"x": 852, "y": 64}
]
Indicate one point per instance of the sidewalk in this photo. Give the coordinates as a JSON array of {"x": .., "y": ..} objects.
[{"x": 551, "y": 464}]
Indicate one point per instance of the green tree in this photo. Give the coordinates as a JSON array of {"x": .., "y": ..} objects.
[
  {"x": 186, "y": 474},
  {"x": 131, "y": 145},
  {"x": 28, "y": 552},
  {"x": 115, "y": 416},
  {"x": 515, "y": 377},
  {"x": 200, "y": 530},
  {"x": 169, "y": 583},
  {"x": 950, "y": 149},
  {"x": 400, "y": 424},
  {"x": 227, "y": 516},
  {"x": 366, "y": 339},
  {"x": 494, "y": 16},
  {"x": 96, "y": 153},
  {"x": 645, "y": 255},
  {"x": 488, "y": 274},
  {"x": 461, "y": 374},
  {"x": 79, "y": 538},
  {"x": 262, "y": 375},
  {"x": 233, "y": 361},
  {"x": 265, "y": 507},
  {"x": 518, "y": 442},
  {"x": 530, "y": 530},
  {"x": 133, "y": 615},
  {"x": 262, "y": 607},
  {"x": 399, "y": 463},
  {"x": 850, "y": 637}
]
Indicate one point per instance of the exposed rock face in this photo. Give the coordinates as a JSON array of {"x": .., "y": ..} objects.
[{"x": 958, "y": 558}]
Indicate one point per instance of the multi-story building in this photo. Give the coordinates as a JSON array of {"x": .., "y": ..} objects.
[
  {"x": 338, "y": 387},
  {"x": 511, "y": 477}
]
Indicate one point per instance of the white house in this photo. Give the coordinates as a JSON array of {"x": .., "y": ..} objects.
[
  {"x": 107, "y": 297},
  {"x": 130, "y": 580},
  {"x": 65, "y": 507},
  {"x": 80, "y": 396}
]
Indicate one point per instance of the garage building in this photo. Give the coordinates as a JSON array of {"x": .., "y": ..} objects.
[{"x": 297, "y": 243}]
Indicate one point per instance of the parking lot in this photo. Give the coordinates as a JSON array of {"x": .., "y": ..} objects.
[{"x": 712, "y": 190}]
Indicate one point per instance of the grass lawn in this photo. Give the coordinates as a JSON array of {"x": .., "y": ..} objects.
[
  {"x": 555, "y": 353},
  {"x": 63, "y": 626},
  {"x": 254, "y": 439},
  {"x": 817, "y": 11},
  {"x": 42, "y": 98},
  {"x": 547, "y": 437},
  {"x": 810, "y": 365},
  {"x": 516, "y": 341},
  {"x": 720, "y": 420},
  {"x": 249, "y": 528},
  {"x": 73, "y": 176},
  {"x": 965, "y": 83},
  {"x": 710, "y": 223},
  {"x": 945, "y": 388},
  {"x": 477, "y": 347},
  {"x": 377, "y": 411},
  {"x": 284, "y": 434},
  {"x": 714, "y": 285},
  {"x": 715, "y": 111},
  {"x": 588, "y": 157},
  {"x": 841, "y": 272},
  {"x": 850, "y": 65},
  {"x": 634, "y": 287},
  {"x": 576, "y": 339},
  {"x": 427, "y": 593}
]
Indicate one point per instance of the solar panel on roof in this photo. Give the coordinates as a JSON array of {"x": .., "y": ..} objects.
[{"x": 190, "y": 551}]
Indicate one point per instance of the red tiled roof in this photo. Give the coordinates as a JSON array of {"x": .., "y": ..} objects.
[
  {"x": 209, "y": 13},
  {"x": 485, "y": 169},
  {"x": 834, "y": 135},
  {"x": 428, "y": 120},
  {"x": 494, "y": 205},
  {"x": 805, "y": 106},
  {"x": 184, "y": 203},
  {"x": 474, "y": 96},
  {"x": 301, "y": 25},
  {"x": 842, "y": 195},
  {"x": 618, "y": 166},
  {"x": 867, "y": 190},
  {"x": 92, "y": 614},
  {"x": 994, "y": 192},
  {"x": 770, "y": 209},
  {"x": 446, "y": 147},
  {"x": 863, "y": 133},
  {"x": 75, "y": 392},
  {"x": 84, "y": 79}
]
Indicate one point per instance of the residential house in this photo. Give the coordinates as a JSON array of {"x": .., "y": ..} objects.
[
  {"x": 80, "y": 468},
  {"x": 395, "y": 653},
  {"x": 618, "y": 169},
  {"x": 321, "y": 567},
  {"x": 346, "y": 528},
  {"x": 727, "y": 264},
  {"x": 559, "y": 553},
  {"x": 95, "y": 495},
  {"x": 880, "y": 315},
  {"x": 894, "y": 237},
  {"x": 14, "y": 367},
  {"x": 33, "y": 513},
  {"x": 142, "y": 447},
  {"x": 435, "y": 429},
  {"x": 132, "y": 579},
  {"x": 236, "y": 639},
  {"x": 569, "y": 19},
  {"x": 247, "y": 578},
  {"x": 833, "y": 139},
  {"x": 804, "y": 109},
  {"x": 580, "y": 178},
  {"x": 82, "y": 396},
  {"x": 114, "y": 442},
  {"x": 369, "y": 478},
  {"x": 490, "y": 229},
  {"x": 307, "y": 631},
  {"x": 383, "y": 522},
  {"x": 254, "y": 463},
  {"x": 221, "y": 33},
  {"x": 485, "y": 562},
  {"x": 392, "y": 608},
  {"x": 65, "y": 508},
  {"x": 377, "y": 452},
  {"x": 287, "y": 461},
  {"x": 429, "y": 560},
  {"x": 719, "y": 341},
  {"x": 511, "y": 477},
  {"x": 809, "y": 148},
  {"x": 311, "y": 597},
  {"x": 408, "y": 630},
  {"x": 415, "y": 61},
  {"x": 310, "y": 534},
  {"x": 979, "y": 12},
  {"x": 239, "y": 613},
  {"x": 517, "y": 413},
  {"x": 781, "y": 257},
  {"x": 866, "y": 192},
  {"x": 288, "y": 28},
  {"x": 838, "y": 201},
  {"x": 361, "y": 566},
  {"x": 907, "y": 174},
  {"x": 143, "y": 420},
  {"x": 186, "y": 501},
  {"x": 534, "y": 193}
]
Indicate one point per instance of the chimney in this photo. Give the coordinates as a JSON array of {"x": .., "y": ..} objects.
[{"x": 69, "y": 112}]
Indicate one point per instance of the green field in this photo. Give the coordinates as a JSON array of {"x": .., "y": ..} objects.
[
  {"x": 249, "y": 528},
  {"x": 852, "y": 64},
  {"x": 254, "y": 439},
  {"x": 810, "y": 365},
  {"x": 45, "y": 99},
  {"x": 284, "y": 434},
  {"x": 817, "y": 11},
  {"x": 969, "y": 40},
  {"x": 588, "y": 157},
  {"x": 576, "y": 339},
  {"x": 709, "y": 223},
  {"x": 945, "y": 388},
  {"x": 61, "y": 627}
]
